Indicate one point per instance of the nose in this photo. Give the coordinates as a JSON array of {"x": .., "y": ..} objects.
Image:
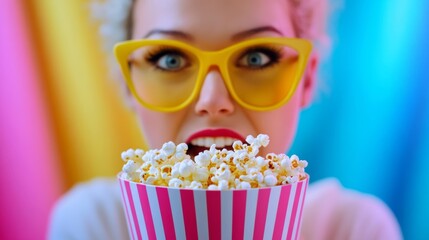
[{"x": 214, "y": 99}]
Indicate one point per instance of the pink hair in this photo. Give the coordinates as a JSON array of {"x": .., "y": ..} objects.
[{"x": 309, "y": 17}]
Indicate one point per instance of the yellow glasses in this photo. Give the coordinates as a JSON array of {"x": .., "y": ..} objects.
[{"x": 166, "y": 75}]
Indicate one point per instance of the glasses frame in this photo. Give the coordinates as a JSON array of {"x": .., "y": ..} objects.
[{"x": 207, "y": 59}]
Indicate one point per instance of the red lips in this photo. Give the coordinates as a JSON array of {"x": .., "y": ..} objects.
[{"x": 220, "y": 132}]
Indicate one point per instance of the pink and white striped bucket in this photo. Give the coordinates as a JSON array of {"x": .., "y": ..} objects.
[{"x": 155, "y": 212}]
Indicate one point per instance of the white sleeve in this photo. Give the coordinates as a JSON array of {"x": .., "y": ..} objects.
[
  {"x": 91, "y": 210},
  {"x": 332, "y": 212}
]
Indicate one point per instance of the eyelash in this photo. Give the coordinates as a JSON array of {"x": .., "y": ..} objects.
[
  {"x": 273, "y": 53},
  {"x": 153, "y": 56}
]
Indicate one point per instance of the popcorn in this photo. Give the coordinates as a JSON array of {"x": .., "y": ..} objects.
[
  {"x": 203, "y": 159},
  {"x": 222, "y": 173},
  {"x": 186, "y": 168},
  {"x": 242, "y": 185},
  {"x": 213, "y": 169},
  {"x": 270, "y": 180},
  {"x": 196, "y": 185},
  {"x": 166, "y": 171},
  {"x": 138, "y": 153},
  {"x": 176, "y": 183},
  {"x": 200, "y": 174},
  {"x": 223, "y": 185},
  {"x": 130, "y": 166},
  {"x": 168, "y": 148},
  {"x": 127, "y": 155}
]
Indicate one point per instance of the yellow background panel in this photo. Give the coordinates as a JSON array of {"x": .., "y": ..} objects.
[{"x": 92, "y": 124}]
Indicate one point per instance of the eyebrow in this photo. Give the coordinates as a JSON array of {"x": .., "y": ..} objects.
[
  {"x": 237, "y": 36},
  {"x": 173, "y": 33},
  {"x": 253, "y": 31}
]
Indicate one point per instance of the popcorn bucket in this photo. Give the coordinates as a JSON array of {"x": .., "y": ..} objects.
[{"x": 158, "y": 212}]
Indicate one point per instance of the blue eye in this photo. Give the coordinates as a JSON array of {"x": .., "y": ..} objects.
[
  {"x": 256, "y": 59},
  {"x": 171, "y": 62},
  {"x": 167, "y": 59},
  {"x": 259, "y": 57}
]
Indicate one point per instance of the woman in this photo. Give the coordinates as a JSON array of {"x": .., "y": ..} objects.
[{"x": 264, "y": 73}]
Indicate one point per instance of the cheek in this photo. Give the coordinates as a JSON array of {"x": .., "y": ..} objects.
[
  {"x": 280, "y": 125},
  {"x": 158, "y": 127}
]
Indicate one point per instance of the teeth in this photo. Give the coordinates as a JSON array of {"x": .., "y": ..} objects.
[
  {"x": 200, "y": 142},
  {"x": 229, "y": 141},
  {"x": 208, "y": 141},
  {"x": 220, "y": 141}
]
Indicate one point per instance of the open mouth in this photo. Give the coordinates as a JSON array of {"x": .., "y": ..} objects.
[
  {"x": 204, "y": 143},
  {"x": 203, "y": 140}
]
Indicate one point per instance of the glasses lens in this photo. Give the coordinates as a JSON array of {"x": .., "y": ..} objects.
[
  {"x": 263, "y": 75},
  {"x": 162, "y": 75}
]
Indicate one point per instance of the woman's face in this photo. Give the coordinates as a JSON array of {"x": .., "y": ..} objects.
[{"x": 214, "y": 117}]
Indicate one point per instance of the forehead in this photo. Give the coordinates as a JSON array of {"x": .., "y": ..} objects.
[{"x": 210, "y": 20}]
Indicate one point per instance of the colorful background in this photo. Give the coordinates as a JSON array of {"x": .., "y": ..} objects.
[{"x": 62, "y": 120}]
